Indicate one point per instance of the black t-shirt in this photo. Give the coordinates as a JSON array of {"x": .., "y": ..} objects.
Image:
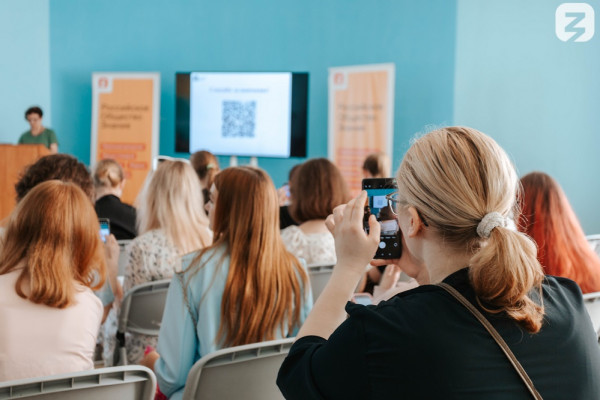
[
  {"x": 121, "y": 216},
  {"x": 423, "y": 344}
]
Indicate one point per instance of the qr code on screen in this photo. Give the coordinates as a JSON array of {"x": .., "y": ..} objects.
[{"x": 239, "y": 118}]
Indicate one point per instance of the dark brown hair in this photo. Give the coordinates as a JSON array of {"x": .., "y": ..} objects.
[
  {"x": 34, "y": 110},
  {"x": 206, "y": 165},
  {"x": 62, "y": 167},
  {"x": 317, "y": 187}
]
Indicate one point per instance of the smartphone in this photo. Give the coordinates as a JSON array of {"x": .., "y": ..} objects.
[
  {"x": 390, "y": 243},
  {"x": 364, "y": 299},
  {"x": 104, "y": 228}
]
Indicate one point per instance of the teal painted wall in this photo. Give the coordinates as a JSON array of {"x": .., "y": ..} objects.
[
  {"x": 24, "y": 64},
  {"x": 537, "y": 96},
  {"x": 238, "y": 35}
]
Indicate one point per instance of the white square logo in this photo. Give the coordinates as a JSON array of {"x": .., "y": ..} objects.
[{"x": 574, "y": 22}]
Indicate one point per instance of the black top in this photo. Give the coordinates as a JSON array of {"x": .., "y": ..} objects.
[
  {"x": 121, "y": 216},
  {"x": 423, "y": 344},
  {"x": 285, "y": 219}
]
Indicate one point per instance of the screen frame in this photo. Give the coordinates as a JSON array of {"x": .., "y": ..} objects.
[{"x": 298, "y": 117}]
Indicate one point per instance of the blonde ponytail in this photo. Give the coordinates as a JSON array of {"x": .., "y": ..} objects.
[
  {"x": 463, "y": 184},
  {"x": 108, "y": 173},
  {"x": 503, "y": 273}
]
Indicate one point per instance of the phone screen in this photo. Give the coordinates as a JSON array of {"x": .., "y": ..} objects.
[
  {"x": 364, "y": 299},
  {"x": 104, "y": 228},
  {"x": 377, "y": 204}
]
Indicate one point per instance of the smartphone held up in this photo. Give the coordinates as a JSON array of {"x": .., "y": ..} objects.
[
  {"x": 378, "y": 204},
  {"x": 104, "y": 228}
]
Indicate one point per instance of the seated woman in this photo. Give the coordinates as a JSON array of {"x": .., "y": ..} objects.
[
  {"x": 547, "y": 217},
  {"x": 171, "y": 224},
  {"x": 206, "y": 166},
  {"x": 456, "y": 189},
  {"x": 317, "y": 187},
  {"x": 109, "y": 181},
  {"x": 243, "y": 289},
  {"x": 49, "y": 260}
]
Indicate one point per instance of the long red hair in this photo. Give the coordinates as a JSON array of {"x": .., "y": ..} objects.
[
  {"x": 548, "y": 218},
  {"x": 263, "y": 291},
  {"x": 54, "y": 234}
]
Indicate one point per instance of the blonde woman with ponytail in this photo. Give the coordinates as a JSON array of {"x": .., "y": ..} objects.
[
  {"x": 109, "y": 181},
  {"x": 456, "y": 191}
]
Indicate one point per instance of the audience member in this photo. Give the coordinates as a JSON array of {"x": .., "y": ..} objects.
[
  {"x": 547, "y": 217},
  {"x": 109, "y": 181},
  {"x": 456, "y": 189},
  {"x": 38, "y": 134},
  {"x": 171, "y": 224},
  {"x": 377, "y": 165},
  {"x": 63, "y": 167},
  {"x": 51, "y": 256},
  {"x": 317, "y": 187},
  {"x": 284, "y": 193},
  {"x": 243, "y": 289},
  {"x": 206, "y": 166}
]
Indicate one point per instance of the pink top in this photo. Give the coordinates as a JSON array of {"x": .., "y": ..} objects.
[{"x": 37, "y": 340}]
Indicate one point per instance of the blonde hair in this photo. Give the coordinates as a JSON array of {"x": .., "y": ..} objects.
[
  {"x": 108, "y": 173},
  {"x": 172, "y": 200},
  {"x": 378, "y": 165},
  {"x": 455, "y": 176},
  {"x": 58, "y": 249}
]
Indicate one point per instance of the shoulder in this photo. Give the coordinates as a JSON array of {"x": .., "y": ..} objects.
[
  {"x": 291, "y": 232},
  {"x": 210, "y": 256},
  {"x": 87, "y": 300}
]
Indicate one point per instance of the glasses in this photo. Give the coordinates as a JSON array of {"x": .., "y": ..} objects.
[{"x": 393, "y": 200}]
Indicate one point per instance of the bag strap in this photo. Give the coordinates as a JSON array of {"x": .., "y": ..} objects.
[
  {"x": 488, "y": 326},
  {"x": 186, "y": 299}
]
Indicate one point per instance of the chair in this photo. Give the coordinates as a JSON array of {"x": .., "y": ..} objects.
[
  {"x": 594, "y": 241},
  {"x": 243, "y": 372},
  {"x": 592, "y": 305},
  {"x": 123, "y": 253},
  {"x": 125, "y": 382},
  {"x": 319, "y": 276},
  {"x": 141, "y": 312}
]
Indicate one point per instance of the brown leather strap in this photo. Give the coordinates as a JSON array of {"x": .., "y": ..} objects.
[{"x": 509, "y": 354}]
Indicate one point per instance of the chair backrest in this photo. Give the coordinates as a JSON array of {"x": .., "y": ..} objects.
[
  {"x": 123, "y": 254},
  {"x": 592, "y": 304},
  {"x": 594, "y": 241},
  {"x": 142, "y": 308},
  {"x": 129, "y": 382},
  {"x": 319, "y": 276},
  {"x": 243, "y": 372}
]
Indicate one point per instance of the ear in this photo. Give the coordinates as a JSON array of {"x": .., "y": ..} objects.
[{"x": 416, "y": 224}]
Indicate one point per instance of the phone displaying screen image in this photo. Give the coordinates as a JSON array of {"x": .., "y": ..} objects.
[
  {"x": 364, "y": 299},
  {"x": 390, "y": 245},
  {"x": 104, "y": 228}
]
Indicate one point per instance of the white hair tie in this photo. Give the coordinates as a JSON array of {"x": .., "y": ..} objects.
[{"x": 489, "y": 222}]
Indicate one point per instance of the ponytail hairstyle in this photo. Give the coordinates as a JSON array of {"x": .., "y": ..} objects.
[
  {"x": 263, "y": 290},
  {"x": 547, "y": 217},
  {"x": 455, "y": 177},
  {"x": 108, "y": 174},
  {"x": 58, "y": 249},
  {"x": 206, "y": 166},
  {"x": 378, "y": 165}
]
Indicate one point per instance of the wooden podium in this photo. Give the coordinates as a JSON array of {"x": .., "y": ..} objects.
[{"x": 13, "y": 159}]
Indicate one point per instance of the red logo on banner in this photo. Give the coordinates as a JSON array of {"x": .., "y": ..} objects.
[
  {"x": 103, "y": 82},
  {"x": 338, "y": 78}
]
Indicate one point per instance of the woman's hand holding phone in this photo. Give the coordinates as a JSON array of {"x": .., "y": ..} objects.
[
  {"x": 111, "y": 248},
  {"x": 354, "y": 248}
]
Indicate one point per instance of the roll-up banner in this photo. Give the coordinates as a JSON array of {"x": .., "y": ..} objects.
[
  {"x": 125, "y": 124},
  {"x": 361, "y": 116}
]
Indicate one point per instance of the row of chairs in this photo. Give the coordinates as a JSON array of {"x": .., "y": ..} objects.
[{"x": 253, "y": 368}]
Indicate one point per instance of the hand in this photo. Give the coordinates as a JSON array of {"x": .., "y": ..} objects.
[
  {"x": 111, "y": 251},
  {"x": 150, "y": 359},
  {"x": 353, "y": 247}
]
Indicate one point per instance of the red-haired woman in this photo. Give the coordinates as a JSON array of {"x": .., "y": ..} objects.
[
  {"x": 243, "y": 289},
  {"x": 548, "y": 218},
  {"x": 49, "y": 260}
]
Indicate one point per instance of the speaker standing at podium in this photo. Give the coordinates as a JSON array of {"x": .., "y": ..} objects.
[{"x": 38, "y": 134}]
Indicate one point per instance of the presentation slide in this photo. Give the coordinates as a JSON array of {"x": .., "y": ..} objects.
[{"x": 245, "y": 114}]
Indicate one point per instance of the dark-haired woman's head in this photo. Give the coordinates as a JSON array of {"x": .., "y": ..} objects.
[{"x": 317, "y": 187}]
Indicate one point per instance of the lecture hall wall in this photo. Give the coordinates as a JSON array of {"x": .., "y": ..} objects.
[{"x": 496, "y": 66}]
